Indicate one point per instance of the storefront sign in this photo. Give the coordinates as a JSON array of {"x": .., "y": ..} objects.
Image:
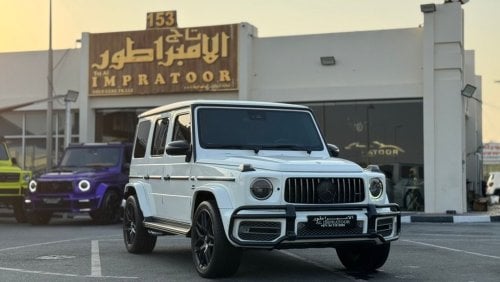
[
  {"x": 377, "y": 149},
  {"x": 168, "y": 60},
  {"x": 161, "y": 19},
  {"x": 491, "y": 153}
]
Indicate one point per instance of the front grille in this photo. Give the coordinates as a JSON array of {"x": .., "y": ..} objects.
[
  {"x": 9, "y": 177},
  {"x": 10, "y": 191},
  {"x": 259, "y": 230},
  {"x": 324, "y": 190},
  {"x": 55, "y": 187},
  {"x": 303, "y": 230},
  {"x": 62, "y": 205}
]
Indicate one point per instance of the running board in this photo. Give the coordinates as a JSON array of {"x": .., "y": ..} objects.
[{"x": 172, "y": 229}]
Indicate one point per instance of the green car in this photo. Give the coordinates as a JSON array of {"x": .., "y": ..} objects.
[{"x": 13, "y": 183}]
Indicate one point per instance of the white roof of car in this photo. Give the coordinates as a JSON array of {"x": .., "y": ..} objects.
[{"x": 238, "y": 103}]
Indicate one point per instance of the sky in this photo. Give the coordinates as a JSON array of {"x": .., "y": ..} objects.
[{"x": 24, "y": 26}]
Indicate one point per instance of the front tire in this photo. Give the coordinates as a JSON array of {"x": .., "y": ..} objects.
[
  {"x": 109, "y": 212},
  {"x": 39, "y": 217},
  {"x": 19, "y": 211},
  {"x": 213, "y": 255},
  {"x": 136, "y": 237},
  {"x": 364, "y": 258}
]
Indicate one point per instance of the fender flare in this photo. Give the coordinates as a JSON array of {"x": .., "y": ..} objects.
[
  {"x": 220, "y": 193},
  {"x": 100, "y": 191},
  {"x": 141, "y": 191},
  {"x": 222, "y": 198}
]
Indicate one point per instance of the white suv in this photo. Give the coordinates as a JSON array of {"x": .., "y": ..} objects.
[{"x": 233, "y": 175}]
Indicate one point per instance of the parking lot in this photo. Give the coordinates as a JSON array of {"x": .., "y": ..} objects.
[{"x": 76, "y": 249}]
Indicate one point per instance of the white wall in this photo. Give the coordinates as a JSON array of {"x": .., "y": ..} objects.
[
  {"x": 23, "y": 76},
  {"x": 369, "y": 65},
  {"x": 444, "y": 119}
]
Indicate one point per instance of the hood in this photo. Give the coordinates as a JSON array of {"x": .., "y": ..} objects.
[
  {"x": 73, "y": 174},
  {"x": 6, "y": 166},
  {"x": 289, "y": 164}
]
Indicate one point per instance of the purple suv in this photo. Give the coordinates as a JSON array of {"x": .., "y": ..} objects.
[{"x": 89, "y": 178}]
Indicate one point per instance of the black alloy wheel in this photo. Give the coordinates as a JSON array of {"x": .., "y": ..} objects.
[
  {"x": 213, "y": 255},
  {"x": 136, "y": 238}
]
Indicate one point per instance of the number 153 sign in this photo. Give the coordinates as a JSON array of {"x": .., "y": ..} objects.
[{"x": 161, "y": 19}]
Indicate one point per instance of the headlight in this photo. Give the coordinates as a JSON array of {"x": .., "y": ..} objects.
[
  {"x": 261, "y": 188},
  {"x": 32, "y": 186},
  {"x": 84, "y": 185},
  {"x": 26, "y": 177},
  {"x": 376, "y": 188}
]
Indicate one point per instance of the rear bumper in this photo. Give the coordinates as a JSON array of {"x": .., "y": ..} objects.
[{"x": 285, "y": 226}]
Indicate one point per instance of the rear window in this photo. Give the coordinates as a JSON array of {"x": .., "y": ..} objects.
[{"x": 3, "y": 153}]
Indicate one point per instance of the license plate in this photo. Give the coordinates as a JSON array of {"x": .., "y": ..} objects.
[
  {"x": 51, "y": 200},
  {"x": 331, "y": 221}
]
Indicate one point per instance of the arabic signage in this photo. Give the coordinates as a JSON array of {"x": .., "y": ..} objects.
[
  {"x": 491, "y": 153},
  {"x": 167, "y": 60}
]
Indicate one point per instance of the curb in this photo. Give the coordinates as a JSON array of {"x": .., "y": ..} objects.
[{"x": 450, "y": 218}]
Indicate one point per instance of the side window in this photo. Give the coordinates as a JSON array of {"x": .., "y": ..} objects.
[
  {"x": 182, "y": 128},
  {"x": 141, "y": 140},
  {"x": 159, "y": 137}
]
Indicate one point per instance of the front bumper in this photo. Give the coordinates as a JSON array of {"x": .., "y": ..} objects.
[
  {"x": 54, "y": 203},
  {"x": 285, "y": 226}
]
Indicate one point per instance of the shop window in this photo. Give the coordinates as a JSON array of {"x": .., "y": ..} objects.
[
  {"x": 36, "y": 123},
  {"x": 116, "y": 124},
  {"x": 385, "y": 133},
  {"x": 11, "y": 124}
]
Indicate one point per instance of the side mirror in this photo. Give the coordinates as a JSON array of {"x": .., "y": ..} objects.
[
  {"x": 178, "y": 148},
  {"x": 333, "y": 150},
  {"x": 14, "y": 161}
]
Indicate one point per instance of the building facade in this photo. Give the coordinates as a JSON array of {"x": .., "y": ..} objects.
[{"x": 387, "y": 97}]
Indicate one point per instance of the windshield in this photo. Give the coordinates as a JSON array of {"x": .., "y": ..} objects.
[
  {"x": 258, "y": 129},
  {"x": 90, "y": 157}
]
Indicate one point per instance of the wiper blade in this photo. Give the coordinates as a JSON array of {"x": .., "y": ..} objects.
[
  {"x": 289, "y": 147},
  {"x": 255, "y": 148},
  {"x": 64, "y": 169}
]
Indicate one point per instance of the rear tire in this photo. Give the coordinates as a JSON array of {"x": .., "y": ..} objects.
[
  {"x": 213, "y": 255},
  {"x": 136, "y": 238},
  {"x": 364, "y": 258}
]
